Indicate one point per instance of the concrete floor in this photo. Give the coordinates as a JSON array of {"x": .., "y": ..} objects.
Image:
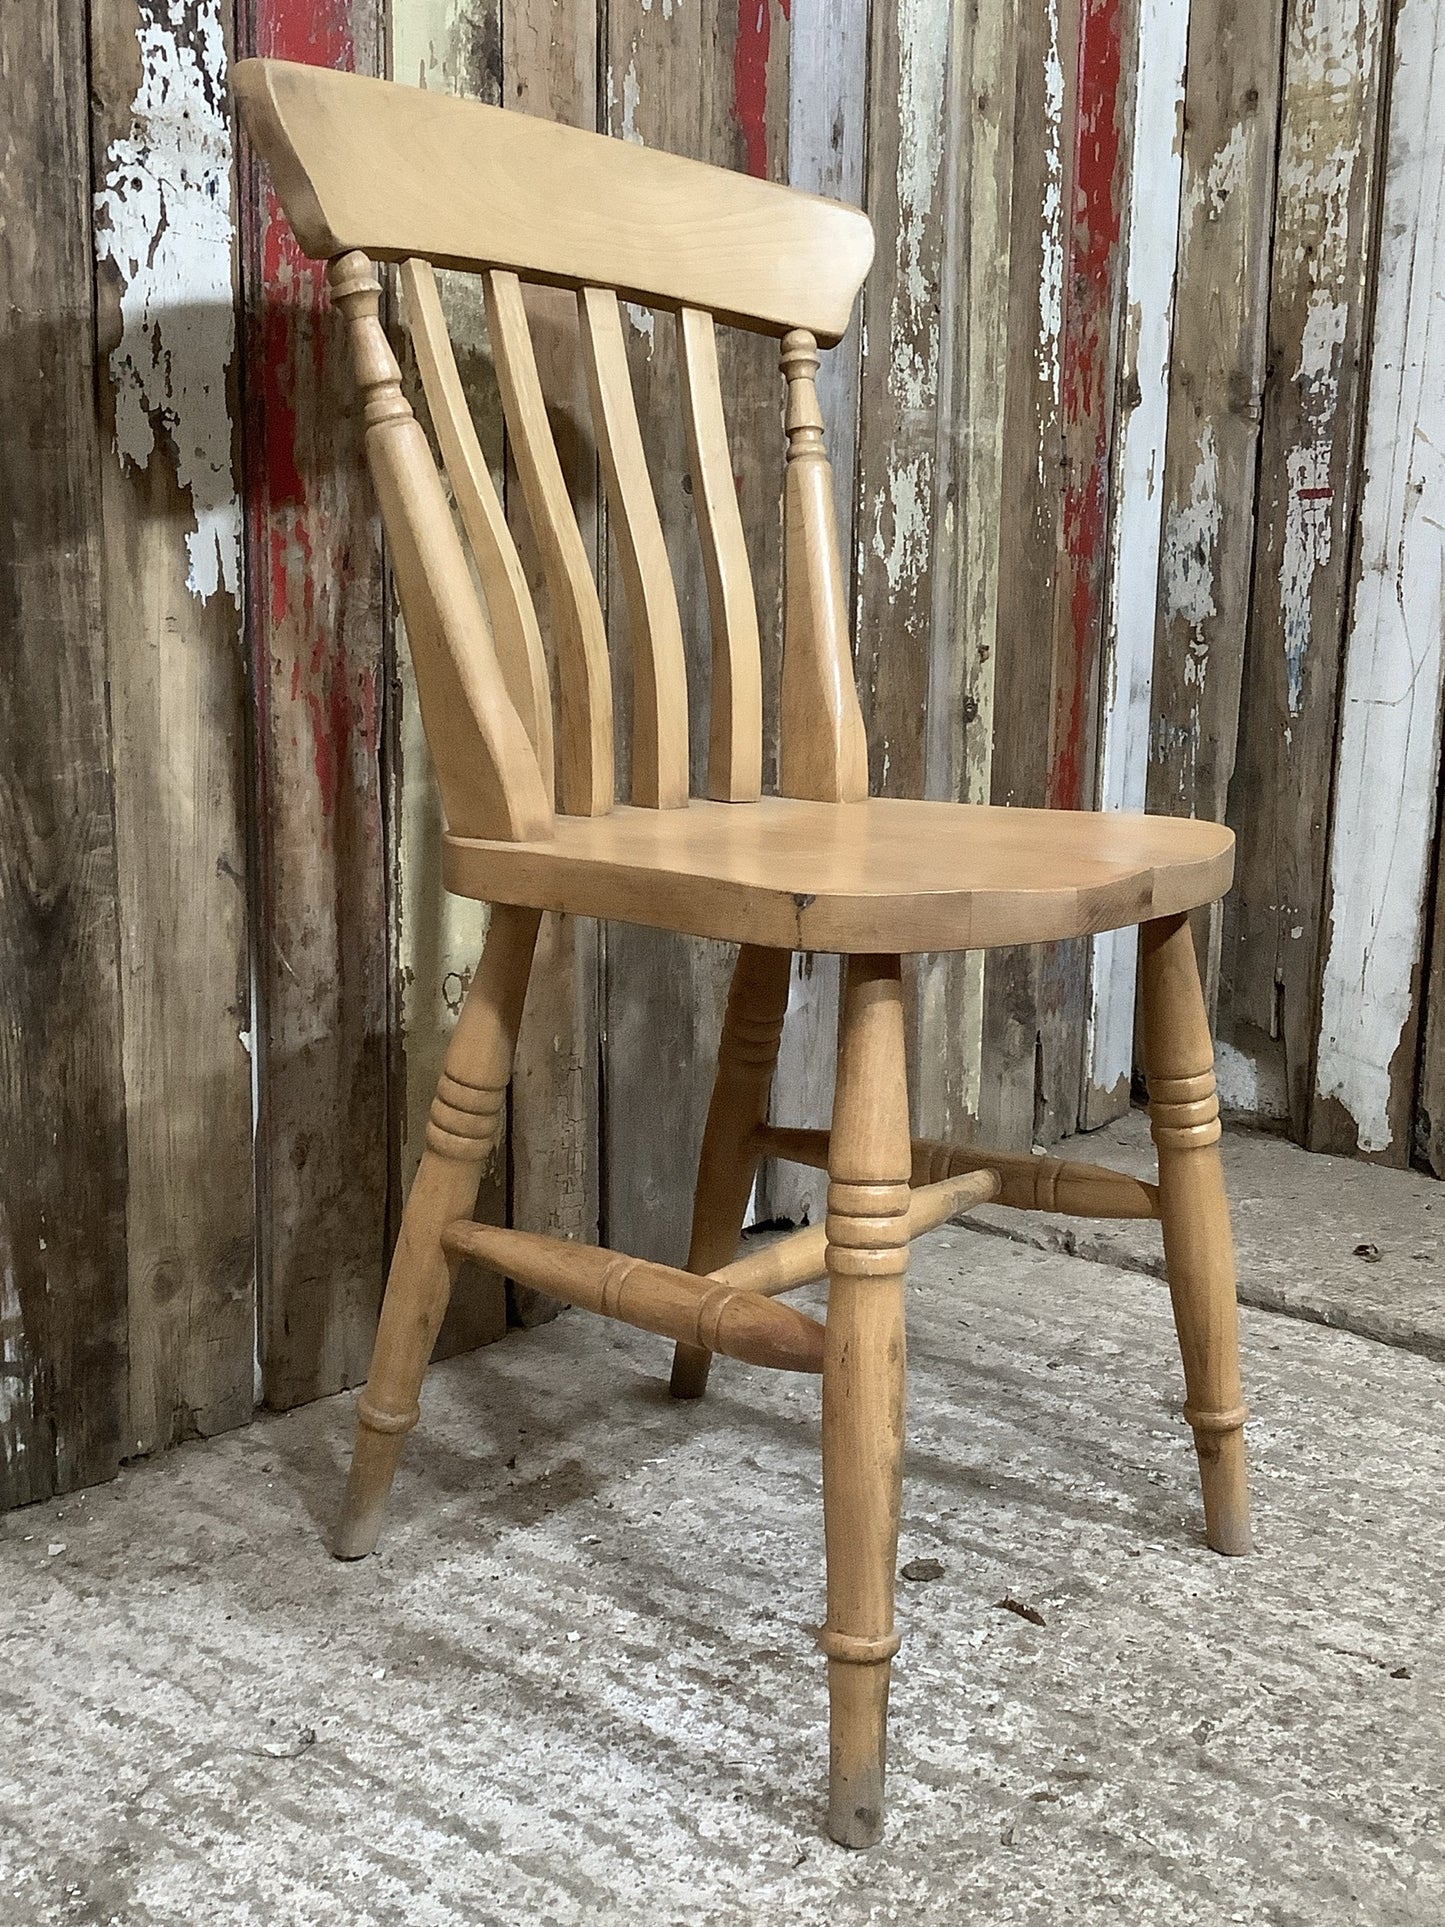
[{"x": 579, "y": 1683}]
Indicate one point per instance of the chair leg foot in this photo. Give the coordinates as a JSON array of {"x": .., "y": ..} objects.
[
  {"x": 374, "y": 1460},
  {"x": 857, "y": 1751},
  {"x": 690, "y": 1367},
  {"x": 1224, "y": 1477},
  {"x": 746, "y": 1060},
  {"x": 863, "y": 1388},
  {"x": 1194, "y": 1209},
  {"x": 462, "y": 1133}
]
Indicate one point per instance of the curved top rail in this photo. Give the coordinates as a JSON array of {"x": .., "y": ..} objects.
[{"x": 397, "y": 171}]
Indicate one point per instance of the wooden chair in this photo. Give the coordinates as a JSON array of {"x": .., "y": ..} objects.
[{"x": 371, "y": 171}]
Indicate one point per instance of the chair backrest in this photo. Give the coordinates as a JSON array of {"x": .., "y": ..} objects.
[{"x": 367, "y": 170}]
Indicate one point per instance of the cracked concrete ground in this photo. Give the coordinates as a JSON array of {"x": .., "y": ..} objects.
[{"x": 579, "y": 1682}]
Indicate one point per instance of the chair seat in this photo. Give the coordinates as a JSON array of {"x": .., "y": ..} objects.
[{"x": 886, "y": 875}]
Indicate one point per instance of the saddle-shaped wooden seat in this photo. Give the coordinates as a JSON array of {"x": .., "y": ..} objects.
[
  {"x": 857, "y": 877},
  {"x": 524, "y": 756}
]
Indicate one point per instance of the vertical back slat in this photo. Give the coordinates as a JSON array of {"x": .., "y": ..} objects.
[
  {"x": 659, "y": 671},
  {"x": 509, "y": 603},
  {"x": 735, "y": 739},
  {"x": 583, "y": 671}
]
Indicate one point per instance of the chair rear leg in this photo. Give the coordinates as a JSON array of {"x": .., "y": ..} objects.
[
  {"x": 465, "y": 1125},
  {"x": 747, "y": 1058},
  {"x": 863, "y": 1389},
  {"x": 1198, "y": 1245}
]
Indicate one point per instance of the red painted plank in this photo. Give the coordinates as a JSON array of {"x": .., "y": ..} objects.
[
  {"x": 1088, "y": 360},
  {"x": 314, "y": 595},
  {"x": 751, "y": 52}
]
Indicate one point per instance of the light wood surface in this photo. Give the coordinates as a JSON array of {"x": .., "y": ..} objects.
[
  {"x": 464, "y": 1130},
  {"x": 550, "y": 61},
  {"x": 823, "y": 752},
  {"x": 395, "y": 171},
  {"x": 863, "y": 1388},
  {"x": 661, "y": 986},
  {"x": 821, "y": 867},
  {"x": 802, "y": 1256},
  {"x": 485, "y": 765},
  {"x": 1027, "y": 1183},
  {"x": 659, "y": 672},
  {"x": 818, "y": 876},
  {"x": 1198, "y": 1244},
  {"x": 510, "y": 609},
  {"x": 584, "y": 673},
  {"x": 728, "y": 1162},
  {"x": 707, "y": 1313},
  {"x": 735, "y": 731}
]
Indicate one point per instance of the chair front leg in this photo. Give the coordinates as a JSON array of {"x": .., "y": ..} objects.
[
  {"x": 1198, "y": 1244},
  {"x": 863, "y": 1389},
  {"x": 462, "y": 1134},
  {"x": 746, "y": 1060}
]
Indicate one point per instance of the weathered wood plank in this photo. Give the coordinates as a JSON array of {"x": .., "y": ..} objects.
[
  {"x": 713, "y": 86},
  {"x": 314, "y": 611},
  {"x": 1127, "y": 664},
  {"x": 978, "y": 191},
  {"x": 549, "y": 67},
  {"x": 1093, "y": 282},
  {"x": 828, "y": 81},
  {"x": 898, "y": 413},
  {"x": 450, "y": 45},
  {"x": 1389, "y": 748},
  {"x": 1012, "y": 1107},
  {"x": 1429, "y": 1147},
  {"x": 62, "y": 1106},
  {"x": 1279, "y": 800},
  {"x": 166, "y": 295},
  {"x": 1215, "y": 387}
]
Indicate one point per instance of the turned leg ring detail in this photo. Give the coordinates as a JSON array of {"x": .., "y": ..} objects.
[{"x": 375, "y": 1420}]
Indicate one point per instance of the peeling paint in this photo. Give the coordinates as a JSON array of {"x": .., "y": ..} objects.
[
  {"x": 1086, "y": 390},
  {"x": 1308, "y": 540},
  {"x": 642, "y": 319},
  {"x": 166, "y": 223},
  {"x": 751, "y": 51},
  {"x": 1137, "y": 522},
  {"x": 631, "y": 99},
  {"x": 902, "y": 513},
  {"x": 1388, "y": 762},
  {"x": 1191, "y": 536},
  {"x": 1051, "y": 274},
  {"x": 17, "y": 1372},
  {"x": 1328, "y": 63},
  {"x": 1226, "y": 173}
]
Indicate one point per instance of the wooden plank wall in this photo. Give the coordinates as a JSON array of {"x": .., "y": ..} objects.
[
  {"x": 1134, "y": 445},
  {"x": 167, "y": 276},
  {"x": 63, "y": 1295}
]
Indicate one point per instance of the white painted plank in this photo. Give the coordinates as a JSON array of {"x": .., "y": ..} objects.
[
  {"x": 1128, "y": 651},
  {"x": 1388, "y": 765}
]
